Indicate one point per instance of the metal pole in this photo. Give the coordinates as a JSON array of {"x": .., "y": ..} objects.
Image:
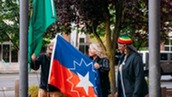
[
  {"x": 23, "y": 72},
  {"x": 154, "y": 48}
]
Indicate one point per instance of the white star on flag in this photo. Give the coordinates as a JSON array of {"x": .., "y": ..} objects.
[{"x": 84, "y": 82}]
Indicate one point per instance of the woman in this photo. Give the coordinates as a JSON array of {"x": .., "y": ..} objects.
[
  {"x": 130, "y": 76},
  {"x": 96, "y": 53}
]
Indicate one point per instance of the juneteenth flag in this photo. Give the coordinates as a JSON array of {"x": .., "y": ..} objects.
[
  {"x": 42, "y": 15},
  {"x": 73, "y": 72}
]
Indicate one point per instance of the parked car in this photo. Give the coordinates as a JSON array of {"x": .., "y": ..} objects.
[{"x": 165, "y": 62}]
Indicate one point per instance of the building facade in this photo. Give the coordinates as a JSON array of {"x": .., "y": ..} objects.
[{"x": 8, "y": 56}]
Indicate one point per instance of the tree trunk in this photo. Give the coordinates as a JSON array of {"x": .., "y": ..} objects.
[{"x": 111, "y": 54}]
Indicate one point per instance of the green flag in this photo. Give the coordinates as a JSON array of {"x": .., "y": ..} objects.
[{"x": 42, "y": 16}]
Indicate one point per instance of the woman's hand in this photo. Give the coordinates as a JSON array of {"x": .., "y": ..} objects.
[{"x": 96, "y": 65}]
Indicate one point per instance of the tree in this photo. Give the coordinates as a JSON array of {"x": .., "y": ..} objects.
[
  {"x": 110, "y": 17},
  {"x": 136, "y": 20},
  {"x": 9, "y": 22}
]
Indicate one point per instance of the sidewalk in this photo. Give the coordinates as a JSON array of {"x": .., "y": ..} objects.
[{"x": 9, "y": 67}]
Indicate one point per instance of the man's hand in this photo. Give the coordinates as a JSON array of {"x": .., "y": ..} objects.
[{"x": 33, "y": 57}]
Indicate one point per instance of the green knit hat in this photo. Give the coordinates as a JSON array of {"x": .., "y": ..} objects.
[{"x": 125, "y": 40}]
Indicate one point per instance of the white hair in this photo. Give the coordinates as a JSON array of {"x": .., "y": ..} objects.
[{"x": 98, "y": 49}]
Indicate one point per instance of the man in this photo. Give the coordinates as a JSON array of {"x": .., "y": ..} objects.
[{"x": 43, "y": 61}]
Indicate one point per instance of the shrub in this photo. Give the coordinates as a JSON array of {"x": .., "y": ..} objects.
[{"x": 33, "y": 91}]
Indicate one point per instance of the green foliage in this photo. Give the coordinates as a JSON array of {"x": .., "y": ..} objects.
[
  {"x": 9, "y": 21},
  {"x": 33, "y": 91}
]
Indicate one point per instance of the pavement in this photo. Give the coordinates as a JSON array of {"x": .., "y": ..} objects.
[
  {"x": 9, "y": 67},
  {"x": 6, "y": 89},
  {"x": 12, "y": 68},
  {"x": 9, "y": 91}
]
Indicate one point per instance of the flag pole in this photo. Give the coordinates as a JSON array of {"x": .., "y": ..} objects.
[
  {"x": 23, "y": 72},
  {"x": 52, "y": 57}
]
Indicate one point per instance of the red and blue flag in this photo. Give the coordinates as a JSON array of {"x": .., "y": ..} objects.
[{"x": 73, "y": 72}]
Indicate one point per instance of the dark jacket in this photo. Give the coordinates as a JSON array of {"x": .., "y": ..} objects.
[
  {"x": 104, "y": 75},
  {"x": 131, "y": 81},
  {"x": 44, "y": 61}
]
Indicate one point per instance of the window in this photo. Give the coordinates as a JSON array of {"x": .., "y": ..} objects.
[
  {"x": 0, "y": 53},
  {"x": 6, "y": 53},
  {"x": 83, "y": 47},
  {"x": 167, "y": 48},
  {"x": 170, "y": 56},
  {"x": 14, "y": 56},
  {"x": 81, "y": 40},
  {"x": 164, "y": 56}
]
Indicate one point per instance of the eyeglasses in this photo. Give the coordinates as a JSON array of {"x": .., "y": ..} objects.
[
  {"x": 50, "y": 47},
  {"x": 120, "y": 45}
]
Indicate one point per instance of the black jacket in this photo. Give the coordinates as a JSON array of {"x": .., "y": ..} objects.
[
  {"x": 44, "y": 61},
  {"x": 131, "y": 77},
  {"x": 104, "y": 75}
]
